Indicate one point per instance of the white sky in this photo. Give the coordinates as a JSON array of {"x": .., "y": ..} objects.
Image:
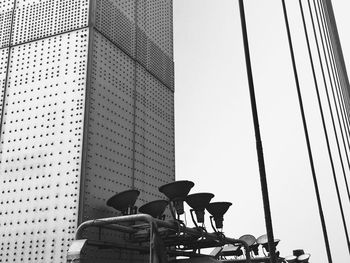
[{"x": 215, "y": 143}]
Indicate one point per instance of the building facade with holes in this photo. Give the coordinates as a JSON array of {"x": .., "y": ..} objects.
[{"x": 87, "y": 111}]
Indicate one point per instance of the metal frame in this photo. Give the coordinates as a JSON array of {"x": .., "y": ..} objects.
[{"x": 126, "y": 224}]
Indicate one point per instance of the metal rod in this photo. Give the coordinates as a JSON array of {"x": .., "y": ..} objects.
[
  {"x": 334, "y": 70},
  {"x": 324, "y": 126},
  {"x": 338, "y": 53},
  {"x": 329, "y": 102},
  {"x": 332, "y": 88},
  {"x": 259, "y": 148},
  {"x": 324, "y": 228}
]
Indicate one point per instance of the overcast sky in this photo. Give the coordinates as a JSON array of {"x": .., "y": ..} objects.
[{"x": 215, "y": 143}]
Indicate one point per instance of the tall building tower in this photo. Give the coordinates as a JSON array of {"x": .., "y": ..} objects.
[{"x": 86, "y": 111}]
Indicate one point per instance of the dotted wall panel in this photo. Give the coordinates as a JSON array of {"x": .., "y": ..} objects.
[
  {"x": 6, "y": 11},
  {"x": 154, "y": 39},
  {"x": 40, "y": 149},
  {"x": 110, "y": 140},
  {"x": 35, "y": 19},
  {"x": 143, "y": 30},
  {"x": 109, "y": 160},
  {"x": 116, "y": 20},
  {"x": 110, "y": 146},
  {"x": 111, "y": 126},
  {"x": 3, "y": 69},
  {"x": 129, "y": 128},
  {"x": 154, "y": 151},
  {"x": 155, "y": 18}
]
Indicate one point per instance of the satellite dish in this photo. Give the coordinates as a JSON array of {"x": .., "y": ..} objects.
[
  {"x": 124, "y": 201},
  {"x": 176, "y": 192},
  {"x": 155, "y": 208},
  {"x": 199, "y": 202}
]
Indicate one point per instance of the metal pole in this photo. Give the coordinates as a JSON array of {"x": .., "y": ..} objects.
[{"x": 259, "y": 148}]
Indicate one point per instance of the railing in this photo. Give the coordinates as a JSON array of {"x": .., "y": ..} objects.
[{"x": 176, "y": 234}]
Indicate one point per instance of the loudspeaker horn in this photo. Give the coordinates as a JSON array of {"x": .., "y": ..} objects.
[
  {"x": 263, "y": 240},
  {"x": 266, "y": 245},
  {"x": 217, "y": 210},
  {"x": 124, "y": 201},
  {"x": 199, "y": 202},
  {"x": 251, "y": 241},
  {"x": 177, "y": 192},
  {"x": 155, "y": 208}
]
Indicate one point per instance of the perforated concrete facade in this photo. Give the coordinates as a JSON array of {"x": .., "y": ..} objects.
[{"x": 86, "y": 96}]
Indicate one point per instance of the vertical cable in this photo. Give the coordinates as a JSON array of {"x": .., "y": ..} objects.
[
  {"x": 335, "y": 63},
  {"x": 338, "y": 112},
  {"x": 343, "y": 123},
  {"x": 324, "y": 229},
  {"x": 338, "y": 86},
  {"x": 324, "y": 125},
  {"x": 337, "y": 51},
  {"x": 259, "y": 148},
  {"x": 328, "y": 101}
]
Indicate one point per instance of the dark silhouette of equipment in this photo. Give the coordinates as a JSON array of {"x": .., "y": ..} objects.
[
  {"x": 231, "y": 250},
  {"x": 124, "y": 201},
  {"x": 217, "y": 210},
  {"x": 251, "y": 241},
  {"x": 147, "y": 231},
  {"x": 263, "y": 240},
  {"x": 177, "y": 192},
  {"x": 299, "y": 256},
  {"x": 199, "y": 202},
  {"x": 155, "y": 208},
  {"x": 266, "y": 245},
  {"x": 298, "y": 252}
]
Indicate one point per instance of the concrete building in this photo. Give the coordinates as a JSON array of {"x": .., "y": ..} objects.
[{"x": 87, "y": 90}]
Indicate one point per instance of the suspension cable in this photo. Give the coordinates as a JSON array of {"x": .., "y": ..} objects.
[
  {"x": 324, "y": 228},
  {"x": 338, "y": 55},
  {"x": 325, "y": 48},
  {"x": 328, "y": 101},
  {"x": 324, "y": 125},
  {"x": 338, "y": 86}
]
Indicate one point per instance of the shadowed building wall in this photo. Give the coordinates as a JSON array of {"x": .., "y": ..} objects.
[{"x": 87, "y": 90}]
